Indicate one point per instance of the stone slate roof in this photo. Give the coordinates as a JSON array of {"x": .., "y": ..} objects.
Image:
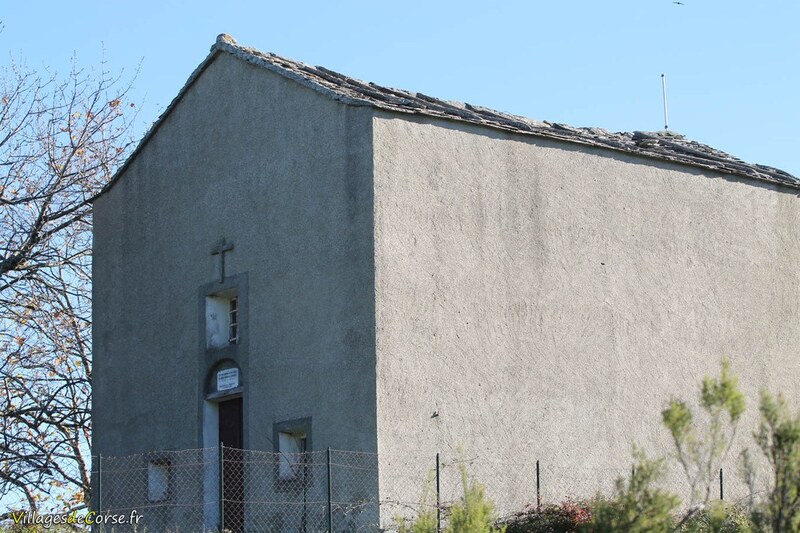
[{"x": 663, "y": 145}]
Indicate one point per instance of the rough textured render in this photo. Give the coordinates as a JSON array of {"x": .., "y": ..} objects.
[
  {"x": 546, "y": 300},
  {"x": 426, "y": 276}
]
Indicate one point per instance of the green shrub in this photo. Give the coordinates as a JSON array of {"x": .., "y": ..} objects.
[
  {"x": 474, "y": 513},
  {"x": 700, "y": 453},
  {"x": 424, "y": 523},
  {"x": 637, "y": 506},
  {"x": 717, "y": 517},
  {"x": 426, "y": 519},
  {"x": 778, "y": 437}
]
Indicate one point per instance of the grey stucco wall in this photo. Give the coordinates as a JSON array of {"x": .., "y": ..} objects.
[
  {"x": 284, "y": 174},
  {"x": 547, "y": 299}
]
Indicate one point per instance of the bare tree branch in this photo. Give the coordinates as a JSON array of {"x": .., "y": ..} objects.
[{"x": 60, "y": 139}]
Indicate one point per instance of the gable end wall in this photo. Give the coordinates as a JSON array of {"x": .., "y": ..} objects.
[
  {"x": 283, "y": 173},
  {"x": 540, "y": 300}
]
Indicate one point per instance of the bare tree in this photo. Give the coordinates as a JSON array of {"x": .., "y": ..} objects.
[{"x": 61, "y": 138}]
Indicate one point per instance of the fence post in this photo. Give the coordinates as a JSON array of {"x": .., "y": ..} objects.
[
  {"x": 99, "y": 483},
  {"x": 721, "y": 494},
  {"x": 221, "y": 486},
  {"x": 330, "y": 506},
  {"x": 538, "y": 489},
  {"x": 438, "y": 498}
]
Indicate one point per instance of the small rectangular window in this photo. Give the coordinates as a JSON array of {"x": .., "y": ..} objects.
[
  {"x": 222, "y": 320},
  {"x": 292, "y": 448},
  {"x": 158, "y": 480}
]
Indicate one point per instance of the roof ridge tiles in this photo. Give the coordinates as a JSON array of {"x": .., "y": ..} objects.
[{"x": 664, "y": 145}]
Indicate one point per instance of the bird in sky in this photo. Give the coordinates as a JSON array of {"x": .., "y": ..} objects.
[{"x": 679, "y": 3}]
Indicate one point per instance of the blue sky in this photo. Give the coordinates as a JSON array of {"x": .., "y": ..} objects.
[{"x": 732, "y": 66}]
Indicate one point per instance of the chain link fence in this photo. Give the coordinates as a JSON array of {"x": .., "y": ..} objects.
[
  {"x": 216, "y": 489},
  {"x": 239, "y": 490}
]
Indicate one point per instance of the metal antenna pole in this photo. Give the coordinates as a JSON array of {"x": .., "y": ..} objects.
[{"x": 664, "y": 91}]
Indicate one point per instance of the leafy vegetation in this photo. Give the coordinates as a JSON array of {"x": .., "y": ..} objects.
[
  {"x": 717, "y": 517},
  {"x": 637, "y": 505},
  {"x": 426, "y": 518},
  {"x": 778, "y": 437},
  {"x": 700, "y": 454},
  {"x": 474, "y": 513}
]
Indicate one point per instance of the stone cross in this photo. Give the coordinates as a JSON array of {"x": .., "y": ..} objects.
[{"x": 220, "y": 250}]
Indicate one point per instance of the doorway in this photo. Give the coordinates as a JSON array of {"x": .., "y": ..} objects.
[{"x": 231, "y": 434}]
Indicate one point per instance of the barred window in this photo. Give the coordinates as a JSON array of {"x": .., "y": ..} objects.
[{"x": 233, "y": 320}]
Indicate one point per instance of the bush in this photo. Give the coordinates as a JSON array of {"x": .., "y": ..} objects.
[
  {"x": 778, "y": 437},
  {"x": 701, "y": 451},
  {"x": 637, "y": 505},
  {"x": 425, "y": 523},
  {"x": 426, "y": 519},
  {"x": 564, "y": 517},
  {"x": 472, "y": 514},
  {"x": 717, "y": 517}
]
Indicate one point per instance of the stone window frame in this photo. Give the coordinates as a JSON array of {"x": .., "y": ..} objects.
[{"x": 232, "y": 285}]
